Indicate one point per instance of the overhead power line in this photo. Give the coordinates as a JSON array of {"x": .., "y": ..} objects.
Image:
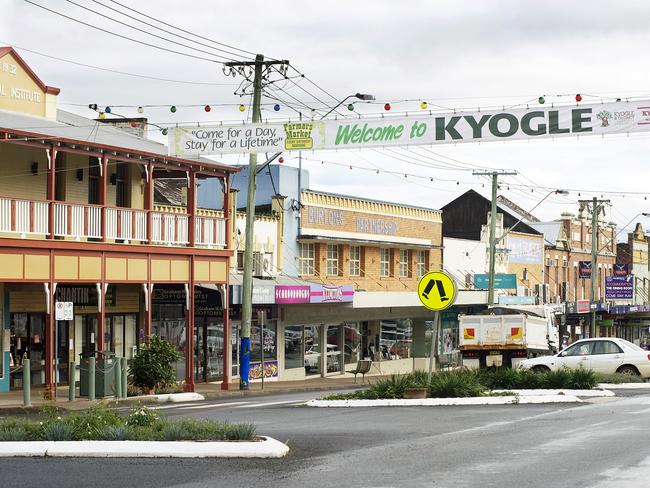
[
  {"x": 142, "y": 31},
  {"x": 161, "y": 48},
  {"x": 183, "y": 30}
]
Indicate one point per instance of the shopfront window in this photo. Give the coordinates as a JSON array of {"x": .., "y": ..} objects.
[
  {"x": 333, "y": 359},
  {"x": 265, "y": 342},
  {"x": 396, "y": 339},
  {"x": 293, "y": 342},
  {"x": 352, "y": 344},
  {"x": 168, "y": 322}
]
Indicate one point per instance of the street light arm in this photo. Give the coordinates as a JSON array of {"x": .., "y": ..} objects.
[
  {"x": 360, "y": 96},
  {"x": 645, "y": 214},
  {"x": 337, "y": 106},
  {"x": 558, "y": 192}
]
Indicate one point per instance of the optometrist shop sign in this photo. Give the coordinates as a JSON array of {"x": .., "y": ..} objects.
[{"x": 420, "y": 129}]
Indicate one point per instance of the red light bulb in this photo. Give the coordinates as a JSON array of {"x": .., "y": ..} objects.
[
  {"x": 134, "y": 124},
  {"x": 207, "y": 108},
  {"x": 578, "y": 98},
  {"x": 280, "y": 160},
  {"x": 387, "y": 106}
]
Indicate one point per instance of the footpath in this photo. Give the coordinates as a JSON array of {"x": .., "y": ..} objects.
[{"x": 12, "y": 402}]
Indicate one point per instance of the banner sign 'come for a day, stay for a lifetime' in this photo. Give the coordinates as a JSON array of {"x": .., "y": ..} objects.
[{"x": 426, "y": 129}]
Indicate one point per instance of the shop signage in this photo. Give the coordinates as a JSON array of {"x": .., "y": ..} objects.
[
  {"x": 583, "y": 306},
  {"x": 525, "y": 251},
  {"x": 539, "y": 121},
  {"x": 84, "y": 295},
  {"x": 324, "y": 216},
  {"x": 516, "y": 300},
  {"x": 64, "y": 311},
  {"x": 287, "y": 294},
  {"x": 270, "y": 371},
  {"x": 261, "y": 294},
  {"x": 501, "y": 281},
  {"x": 584, "y": 269},
  {"x": 619, "y": 287},
  {"x": 605, "y": 322},
  {"x": 207, "y": 303},
  {"x": 331, "y": 293},
  {"x": 376, "y": 226},
  {"x": 621, "y": 269}
]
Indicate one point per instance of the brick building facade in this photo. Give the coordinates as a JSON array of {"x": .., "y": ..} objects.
[{"x": 378, "y": 246}]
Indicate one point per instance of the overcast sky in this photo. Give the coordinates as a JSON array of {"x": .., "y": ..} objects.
[{"x": 452, "y": 54}]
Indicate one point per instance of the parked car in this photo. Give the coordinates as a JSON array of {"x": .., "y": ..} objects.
[{"x": 602, "y": 355}]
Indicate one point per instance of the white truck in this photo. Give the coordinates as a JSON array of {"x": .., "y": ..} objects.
[{"x": 504, "y": 336}]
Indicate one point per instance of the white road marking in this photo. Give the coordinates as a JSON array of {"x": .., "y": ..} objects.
[
  {"x": 213, "y": 405},
  {"x": 265, "y": 404},
  {"x": 165, "y": 407}
]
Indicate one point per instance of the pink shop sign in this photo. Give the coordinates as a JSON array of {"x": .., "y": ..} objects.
[{"x": 286, "y": 294}]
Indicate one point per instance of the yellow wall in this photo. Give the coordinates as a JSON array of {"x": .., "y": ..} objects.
[
  {"x": 17, "y": 178},
  {"x": 31, "y": 99}
]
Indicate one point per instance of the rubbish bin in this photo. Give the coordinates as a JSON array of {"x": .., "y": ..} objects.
[{"x": 105, "y": 371}]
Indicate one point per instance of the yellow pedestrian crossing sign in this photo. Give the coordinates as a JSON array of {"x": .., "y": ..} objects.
[{"x": 436, "y": 290}]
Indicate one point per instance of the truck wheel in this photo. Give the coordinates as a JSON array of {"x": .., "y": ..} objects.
[
  {"x": 541, "y": 369},
  {"x": 629, "y": 370}
]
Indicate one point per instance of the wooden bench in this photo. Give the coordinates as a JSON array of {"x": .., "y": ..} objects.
[{"x": 363, "y": 366}]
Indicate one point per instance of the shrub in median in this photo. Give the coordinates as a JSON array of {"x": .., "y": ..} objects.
[
  {"x": 453, "y": 384},
  {"x": 101, "y": 423}
]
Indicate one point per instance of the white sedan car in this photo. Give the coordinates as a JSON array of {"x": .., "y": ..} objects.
[{"x": 602, "y": 355}]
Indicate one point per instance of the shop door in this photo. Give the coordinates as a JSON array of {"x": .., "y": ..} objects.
[
  {"x": 27, "y": 341},
  {"x": 312, "y": 350},
  {"x": 62, "y": 352},
  {"x": 86, "y": 330},
  {"x": 333, "y": 353},
  {"x": 200, "y": 349}
]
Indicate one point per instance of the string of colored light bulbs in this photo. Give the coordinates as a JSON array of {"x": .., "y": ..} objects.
[
  {"x": 506, "y": 186},
  {"x": 424, "y": 105}
]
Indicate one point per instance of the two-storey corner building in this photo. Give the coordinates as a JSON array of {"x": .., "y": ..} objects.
[
  {"x": 79, "y": 226},
  {"x": 346, "y": 281}
]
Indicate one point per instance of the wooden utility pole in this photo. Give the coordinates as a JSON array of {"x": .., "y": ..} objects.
[
  {"x": 493, "y": 225},
  {"x": 247, "y": 293}
]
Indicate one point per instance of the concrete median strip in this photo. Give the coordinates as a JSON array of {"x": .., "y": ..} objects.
[
  {"x": 440, "y": 402},
  {"x": 625, "y": 386},
  {"x": 266, "y": 447}
]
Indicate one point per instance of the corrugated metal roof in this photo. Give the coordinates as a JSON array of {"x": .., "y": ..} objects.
[
  {"x": 75, "y": 127},
  {"x": 87, "y": 131},
  {"x": 551, "y": 230}
]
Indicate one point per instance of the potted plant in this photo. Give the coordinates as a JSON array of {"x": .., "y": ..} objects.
[{"x": 153, "y": 365}]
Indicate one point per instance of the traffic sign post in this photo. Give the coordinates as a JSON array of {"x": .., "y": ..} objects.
[{"x": 436, "y": 291}]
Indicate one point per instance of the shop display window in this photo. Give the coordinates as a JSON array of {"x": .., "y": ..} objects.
[
  {"x": 293, "y": 347},
  {"x": 396, "y": 339}
]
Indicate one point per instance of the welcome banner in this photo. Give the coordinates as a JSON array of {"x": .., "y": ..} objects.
[{"x": 426, "y": 129}]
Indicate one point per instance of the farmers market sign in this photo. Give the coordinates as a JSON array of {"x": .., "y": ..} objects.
[{"x": 426, "y": 129}]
